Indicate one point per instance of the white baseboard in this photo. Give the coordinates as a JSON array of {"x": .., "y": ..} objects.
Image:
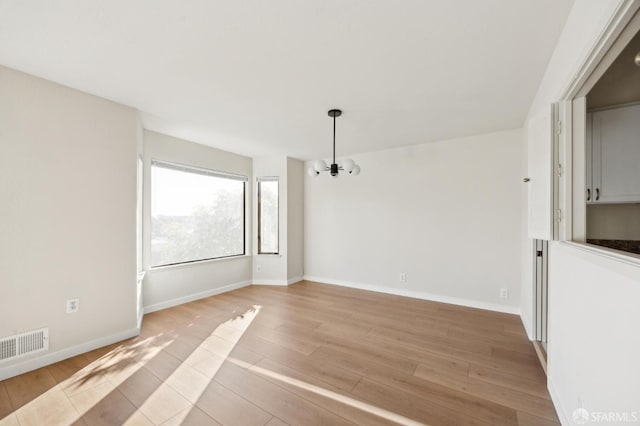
[
  {"x": 278, "y": 282},
  {"x": 269, "y": 282},
  {"x": 419, "y": 295},
  {"x": 195, "y": 296},
  {"x": 555, "y": 399},
  {"x": 527, "y": 326},
  {"x": 53, "y": 357},
  {"x": 140, "y": 316}
]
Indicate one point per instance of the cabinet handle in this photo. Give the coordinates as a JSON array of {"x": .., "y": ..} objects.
[
  {"x": 597, "y": 194},
  {"x": 588, "y": 194},
  {"x": 525, "y": 180}
]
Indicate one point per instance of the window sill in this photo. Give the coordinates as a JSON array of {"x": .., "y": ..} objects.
[
  {"x": 617, "y": 255},
  {"x": 154, "y": 269}
]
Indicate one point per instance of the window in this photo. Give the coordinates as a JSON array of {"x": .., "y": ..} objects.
[
  {"x": 268, "y": 215},
  {"x": 602, "y": 150},
  {"x": 196, "y": 214},
  {"x": 139, "y": 195}
]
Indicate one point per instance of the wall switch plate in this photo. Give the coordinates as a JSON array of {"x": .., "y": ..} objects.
[
  {"x": 403, "y": 277},
  {"x": 73, "y": 305},
  {"x": 504, "y": 293}
]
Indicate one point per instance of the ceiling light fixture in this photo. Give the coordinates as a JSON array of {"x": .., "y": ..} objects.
[{"x": 347, "y": 165}]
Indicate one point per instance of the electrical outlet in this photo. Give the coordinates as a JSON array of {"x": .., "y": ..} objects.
[
  {"x": 403, "y": 277},
  {"x": 504, "y": 293},
  {"x": 73, "y": 306},
  {"x": 258, "y": 268}
]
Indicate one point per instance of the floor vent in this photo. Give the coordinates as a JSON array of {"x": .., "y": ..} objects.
[{"x": 23, "y": 344}]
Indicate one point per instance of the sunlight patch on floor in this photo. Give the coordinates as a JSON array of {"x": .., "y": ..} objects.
[
  {"x": 192, "y": 377},
  {"x": 372, "y": 409},
  {"x": 69, "y": 400}
]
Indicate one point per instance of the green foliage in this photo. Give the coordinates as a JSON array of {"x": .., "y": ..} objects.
[
  {"x": 211, "y": 231},
  {"x": 269, "y": 217}
]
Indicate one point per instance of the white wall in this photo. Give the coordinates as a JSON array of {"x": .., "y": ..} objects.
[
  {"x": 295, "y": 222},
  {"x": 67, "y": 217},
  {"x": 526, "y": 270},
  {"x": 594, "y": 343},
  {"x": 593, "y": 300},
  {"x": 171, "y": 285},
  {"x": 448, "y": 214}
]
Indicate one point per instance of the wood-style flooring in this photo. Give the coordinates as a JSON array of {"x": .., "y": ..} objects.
[{"x": 307, "y": 354}]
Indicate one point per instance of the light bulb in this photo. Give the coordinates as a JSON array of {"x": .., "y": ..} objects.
[
  {"x": 312, "y": 172},
  {"x": 348, "y": 164},
  {"x": 355, "y": 171},
  {"x": 320, "y": 166}
]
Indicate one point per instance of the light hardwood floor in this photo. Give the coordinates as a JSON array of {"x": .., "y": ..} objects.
[{"x": 307, "y": 354}]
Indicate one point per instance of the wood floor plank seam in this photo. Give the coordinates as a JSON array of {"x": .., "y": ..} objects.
[
  {"x": 458, "y": 354},
  {"x": 439, "y": 404},
  {"x": 356, "y": 385},
  {"x": 369, "y": 377},
  {"x": 242, "y": 397},
  {"x": 288, "y": 393},
  {"x": 313, "y": 402}
]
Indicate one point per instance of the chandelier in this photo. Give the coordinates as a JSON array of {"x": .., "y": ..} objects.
[{"x": 334, "y": 169}]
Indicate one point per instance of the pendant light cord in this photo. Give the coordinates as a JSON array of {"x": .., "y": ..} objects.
[{"x": 334, "y": 139}]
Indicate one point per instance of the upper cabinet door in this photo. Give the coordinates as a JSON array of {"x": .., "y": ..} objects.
[
  {"x": 616, "y": 155},
  {"x": 540, "y": 162},
  {"x": 588, "y": 151}
]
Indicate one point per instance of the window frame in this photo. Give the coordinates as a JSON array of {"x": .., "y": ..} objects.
[
  {"x": 186, "y": 168},
  {"x": 571, "y": 143},
  {"x": 259, "y": 214},
  {"x": 140, "y": 214}
]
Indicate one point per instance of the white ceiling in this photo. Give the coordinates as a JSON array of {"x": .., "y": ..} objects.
[{"x": 257, "y": 77}]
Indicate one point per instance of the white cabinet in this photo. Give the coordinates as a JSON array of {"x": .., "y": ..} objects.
[{"x": 613, "y": 156}]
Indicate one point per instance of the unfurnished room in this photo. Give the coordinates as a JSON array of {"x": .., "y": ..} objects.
[{"x": 306, "y": 212}]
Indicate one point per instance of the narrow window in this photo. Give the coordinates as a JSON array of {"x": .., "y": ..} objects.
[
  {"x": 139, "y": 195},
  {"x": 196, "y": 214},
  {"x": 268, "y": 215}
]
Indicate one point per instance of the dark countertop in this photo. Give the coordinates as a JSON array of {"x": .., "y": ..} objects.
[{"x": 632, "y": 246}]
